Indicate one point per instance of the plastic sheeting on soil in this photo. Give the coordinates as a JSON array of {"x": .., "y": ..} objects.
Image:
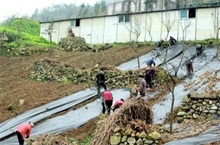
[
  {"x": 94, "y": 109},
  {"x": 171, "y": 53},
  {"x": 161, "y": 109},
  {"x": 213, "y": 134},
  {"x": 37, "y": 114},
  {"x": 72, "y": 119}
]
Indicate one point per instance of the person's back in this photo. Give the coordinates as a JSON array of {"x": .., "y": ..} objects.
[
  {"x": 189, "y": 67},
  {"x": 107, "y": 101},
  {"x": 198, "y": 49},
  {"x": 100, "y": 81},
  {"x": 172, "y": 41},
  {"x": 149, "y": 76},
  {"x": 118, "y": 104},
  {"x": 143, "y": 86},
  {"x": 100, "y": 77},
  {"x": 24, "y": 129},
  {"x": 150, "y": 61},
  {"x": 107, "y": 95}
]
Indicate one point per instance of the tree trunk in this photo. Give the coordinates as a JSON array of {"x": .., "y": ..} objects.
[{"x": 171, "y": 112}]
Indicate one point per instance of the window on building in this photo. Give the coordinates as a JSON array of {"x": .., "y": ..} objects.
[
  {"x": 127, "y": 18},
  {"x": 124, "y": 18},
  {"x": 183, "y": 14},
  {"x": 121, "y": 18},
  {"x": 188, "y": 13},
  {"x": 192, "y": 13},
  {"x": 75, "y": 23}
]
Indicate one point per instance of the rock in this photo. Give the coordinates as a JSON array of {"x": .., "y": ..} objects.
[
  {"x": 194, "y": 106},
  {"x": 155, "y": 135},
  {"x": 212, "y": 111},
  {"x": 186, "y": 99},
  {"x": 195, "y": 116},
  {"x": 117, "y": 129},
  {"x": 180, "y": 119},
  {"x": 139, "y": 142},
  {"x": 203, "y": 95},
  {"x": 214, "y": 108},
  {"x": 184, "y": 108},
  {"x": 124, "y": 138},
  {"x": 115, "y": 139},
  {"x": 180, "y": 114},
  {"x": 131, "y": 140},
  {"x": 205, "y": 111},
  {"x": 162, "y": 129},
  {"x": 148, "y": 141},
  {"x": 188, "y": 117},
  {"x": 142, "y": 135}
]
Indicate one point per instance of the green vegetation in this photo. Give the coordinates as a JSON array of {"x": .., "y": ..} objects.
[{"x": 23, "y": 35}]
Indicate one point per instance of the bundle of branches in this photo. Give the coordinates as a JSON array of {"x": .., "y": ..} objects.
[{"x": 132, "y": 109}]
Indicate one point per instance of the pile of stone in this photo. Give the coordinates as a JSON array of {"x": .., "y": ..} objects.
[
  {"x": 130, "y": 124},
  {"x": 73, "y": 44},
  {"x": 50, "y": 70},
  {"x": 130, "y": 136},
  {"x": 199, "y": 105}
]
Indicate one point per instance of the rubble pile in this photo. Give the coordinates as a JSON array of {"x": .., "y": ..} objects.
[
  {"x": 73, "y": 44},
  {"x": 50, "y": 70},
  {"x": 198, "y": 105}
]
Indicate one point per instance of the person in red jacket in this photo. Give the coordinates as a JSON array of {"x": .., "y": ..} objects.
[
  {"x": 118, "y": 104},
  {"x": 24, "y": 131},
  {"x": 107, "y": 101}
]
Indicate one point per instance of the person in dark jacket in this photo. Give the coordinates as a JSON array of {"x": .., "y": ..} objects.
[
  {"x": 172, "y": 41},
  {"x": 149, "y": 76},
  {"x": 100, "y": 82},
  {"x": 189, "y": 67},
  {"x": 198, "y": 49}
]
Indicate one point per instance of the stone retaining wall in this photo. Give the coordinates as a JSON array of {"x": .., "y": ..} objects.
[{"x": 199, "y": 105}]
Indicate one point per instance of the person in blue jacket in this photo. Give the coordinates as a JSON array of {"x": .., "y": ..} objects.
[{"x": 150, "y": 61}]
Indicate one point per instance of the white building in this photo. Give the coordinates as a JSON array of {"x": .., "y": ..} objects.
[{"x": 187, "y": 24}]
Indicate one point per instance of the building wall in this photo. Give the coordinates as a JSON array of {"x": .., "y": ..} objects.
[
  {"x": 62, "y": 30},
  {"x": 205, "y": 25},
  {"x": 109, "y": 30},
  {"x": 85, "y": 29},
  {"x": 98, "y": 30}
]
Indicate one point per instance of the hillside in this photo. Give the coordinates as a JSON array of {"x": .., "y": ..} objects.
[{"x": 16, "y": 85}]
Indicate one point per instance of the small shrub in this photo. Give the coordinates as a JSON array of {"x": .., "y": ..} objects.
[{"x": 11, "y": 108}]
